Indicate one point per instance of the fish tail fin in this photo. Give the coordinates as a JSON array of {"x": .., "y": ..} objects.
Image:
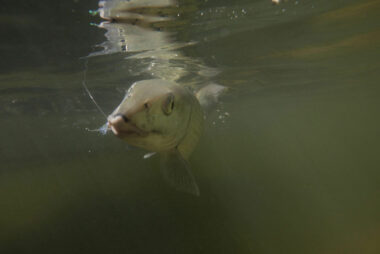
[{"x": 177, "y": 172}]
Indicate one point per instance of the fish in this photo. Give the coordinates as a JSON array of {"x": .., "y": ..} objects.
[
  {"x": 163, "y": 114},
  {"x": 162, "y": 117}
]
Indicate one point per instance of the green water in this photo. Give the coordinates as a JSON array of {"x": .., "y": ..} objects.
[{"x": 293, "y": 167}]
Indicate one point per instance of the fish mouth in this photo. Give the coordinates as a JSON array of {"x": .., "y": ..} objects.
[
  {"x": 130, "y": 130},
  {"x": 125, "y": 129}
]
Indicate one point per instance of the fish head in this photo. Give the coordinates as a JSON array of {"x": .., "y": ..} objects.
[{"x": 154, "y": 115}]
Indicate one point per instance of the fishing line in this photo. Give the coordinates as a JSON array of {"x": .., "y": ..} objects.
[
  {"x": 88, "y": 91},
  {"x": 103, "y": 130}
]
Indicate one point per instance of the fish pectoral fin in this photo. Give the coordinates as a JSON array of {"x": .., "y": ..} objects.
[
  {"x": 148, "y": 155},
  {"x": 176, "y": 171}
]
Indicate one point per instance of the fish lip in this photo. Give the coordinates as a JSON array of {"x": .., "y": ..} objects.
[{"x": 132, "y": 130}]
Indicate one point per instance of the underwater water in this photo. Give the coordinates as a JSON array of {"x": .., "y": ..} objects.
[{"x": 288, "y": 162}]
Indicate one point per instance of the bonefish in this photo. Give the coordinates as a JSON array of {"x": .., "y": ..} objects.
[{"x": 163, "y": 117}]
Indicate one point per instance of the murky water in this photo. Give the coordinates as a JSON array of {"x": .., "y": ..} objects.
[{"x": 288, "y": 163}]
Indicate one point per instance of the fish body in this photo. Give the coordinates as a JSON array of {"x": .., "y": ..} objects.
[
  {"x": 158, "y": 114},
  {"x": 164, "y": 117}
]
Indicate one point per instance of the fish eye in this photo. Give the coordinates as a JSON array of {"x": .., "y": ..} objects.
[{"x": 168, "y": 104}]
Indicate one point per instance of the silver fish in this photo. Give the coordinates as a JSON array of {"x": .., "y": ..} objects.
[{"x": 164, "y": 117}]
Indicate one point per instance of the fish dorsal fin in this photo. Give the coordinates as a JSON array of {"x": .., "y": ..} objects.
[
  {"x": 209, "y": 95},
  {"x": 176, "y": 171}
]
